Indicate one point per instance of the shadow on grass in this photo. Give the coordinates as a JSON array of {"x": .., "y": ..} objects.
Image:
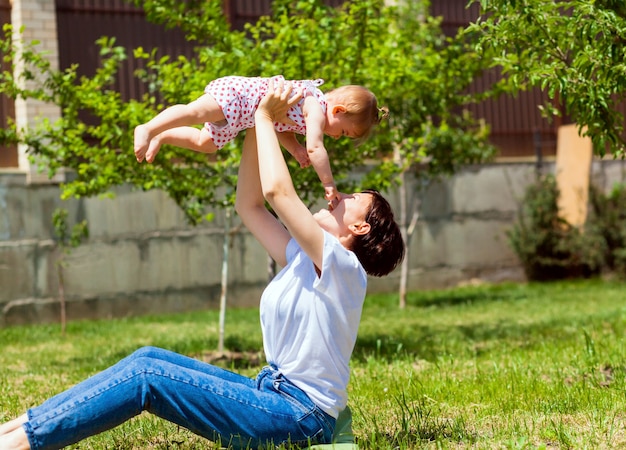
[
  {"x": 402, "y": 339},
  {"x": 239, "y": 353},
  {"x": 452, "y": 297},
  {"x": 395, "y": 338},
  {"x": 400, "y": 335},
  {"x": 431, "y": 342}
]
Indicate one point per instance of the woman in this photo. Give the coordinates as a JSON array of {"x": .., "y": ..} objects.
[{"x": 309, "y": 317}]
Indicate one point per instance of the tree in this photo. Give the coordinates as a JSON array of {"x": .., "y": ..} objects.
[
  {"x": 399, "y": 52},
  {"x": 65, "y": 239},
  {"x": 575, "y": 50},
  {"x": 424, "y": 79}
]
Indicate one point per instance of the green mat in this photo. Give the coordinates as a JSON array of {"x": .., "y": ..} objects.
[{"x": 343, "y": 439}]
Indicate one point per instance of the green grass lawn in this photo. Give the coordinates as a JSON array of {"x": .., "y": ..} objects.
[{"x": 507, "y": 367}]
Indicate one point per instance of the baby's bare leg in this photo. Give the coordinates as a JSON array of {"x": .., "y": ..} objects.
[
  {"x": 204, "y": 109},
  {"x": 190, "y": 138}
]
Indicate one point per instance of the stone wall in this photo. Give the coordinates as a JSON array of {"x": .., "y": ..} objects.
[{"x": 142, "y": 257}]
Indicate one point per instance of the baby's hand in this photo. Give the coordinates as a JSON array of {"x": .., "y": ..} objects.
[
  {"x": 302, "y": 156},
  {"x": 331, "y": 194}
]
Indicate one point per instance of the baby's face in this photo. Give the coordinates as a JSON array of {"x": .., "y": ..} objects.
[{"x": 338, "y": 124}]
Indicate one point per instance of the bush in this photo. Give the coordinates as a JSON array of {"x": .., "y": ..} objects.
[
  {"x": 608, "y": 214},
  {"x": 549, "y": 247}
]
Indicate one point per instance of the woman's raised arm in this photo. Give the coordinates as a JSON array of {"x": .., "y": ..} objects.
[
  {"x": 276, "y": 183},
  {"x": 250, "y": 204}
]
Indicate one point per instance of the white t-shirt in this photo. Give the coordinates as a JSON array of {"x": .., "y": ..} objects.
[{"x": 310, "y": 323}]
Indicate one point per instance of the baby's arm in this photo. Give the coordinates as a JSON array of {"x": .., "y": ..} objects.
[
  {"x": 288, "y": 140},
  {"x": 315, "y": 122}
]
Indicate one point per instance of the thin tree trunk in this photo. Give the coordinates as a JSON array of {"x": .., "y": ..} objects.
[
  {"x": 225, "y": 258},
  {"x": 406, "y": 227},
  {"x": 404, "y": 268},
  {"x": 62, "y": 295}
]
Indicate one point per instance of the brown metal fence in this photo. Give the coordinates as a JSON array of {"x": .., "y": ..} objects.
[
  {"x": 515, "y": 122},
  {"x": 81, "y": 22},
  {"x": 517, "y": 127},
  {"x": 240, "y": 12}
]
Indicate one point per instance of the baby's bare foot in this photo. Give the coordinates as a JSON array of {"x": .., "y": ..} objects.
[
  {"x": 153, "y": 149},
  {"x": 141, "y": 142}
]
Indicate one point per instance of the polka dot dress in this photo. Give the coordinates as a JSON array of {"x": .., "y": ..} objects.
[{"x": 239, "y": 97}]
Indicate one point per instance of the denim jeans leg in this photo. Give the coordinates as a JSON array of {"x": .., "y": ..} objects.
[
  {"x": 151, "y": 354},
  {"x": 315, "y": 426},
  {"x": 209, "y": 401}
]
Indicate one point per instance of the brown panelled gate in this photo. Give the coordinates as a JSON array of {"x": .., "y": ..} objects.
[
  {"x": 92, "y": 19},
  {"x": 517, "y": 128}
]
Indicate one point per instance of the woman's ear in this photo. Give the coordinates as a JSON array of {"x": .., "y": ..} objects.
[{"x": 360, "y": 228}]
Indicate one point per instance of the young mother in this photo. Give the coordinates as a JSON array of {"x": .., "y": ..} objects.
[{"x": 310, "y": 314}]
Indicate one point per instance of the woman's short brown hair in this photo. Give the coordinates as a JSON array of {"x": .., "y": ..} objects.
[{"x": 382, "y": 249}]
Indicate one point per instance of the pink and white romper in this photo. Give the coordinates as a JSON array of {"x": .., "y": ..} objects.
[{"x": 239, "y": 97}]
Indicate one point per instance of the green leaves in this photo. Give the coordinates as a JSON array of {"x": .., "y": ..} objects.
[
  {"x": 65, "y": 236},
  {"x": 398, "y": 52},
  {"x": 574, "y": 50}
]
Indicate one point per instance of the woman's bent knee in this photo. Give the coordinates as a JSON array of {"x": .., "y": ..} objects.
[{"x": 148, "y": 352}]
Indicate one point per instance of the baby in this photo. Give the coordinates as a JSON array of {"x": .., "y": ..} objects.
[{"x": 228, "y": 106}]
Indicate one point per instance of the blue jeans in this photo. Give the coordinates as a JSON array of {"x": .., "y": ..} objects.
[{"x": 215, "y": 403}]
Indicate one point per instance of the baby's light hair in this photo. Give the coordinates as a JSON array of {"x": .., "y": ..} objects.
[{"x": 361, "y": 107}]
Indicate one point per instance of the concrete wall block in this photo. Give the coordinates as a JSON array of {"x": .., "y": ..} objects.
[
  {"x": 254, "y": 259},
  {"x": 17, "y": 270},
  {"x": 41, "y": 204},
  {"x": 606, "y": 175},
  {"x": 464, "y": 242},
  {"x": 434, "y": 278},
  {"x": 435, "y": 202},
  {"x": 132, "y": 212},
  {"x": 27, "y": 270},
  {"x": 100, "y": 268},
  {"x": 490, "y": 188},
  {"x": 478, "y": 243},
  {"x": 388, "y": 284},
  {"x": 143, "y": 303},
  {"x": 30, "y": 310},
  {"x": 46, "y": 276},
  {"x": 13, "y": 224},
  {"x": 193, "y": 260},
  {"x": 5, "y": 218},
  {"x": 47, "y": 310},
  {"x": 26, "y": 213},
  {"x": 158, "y": 263}
]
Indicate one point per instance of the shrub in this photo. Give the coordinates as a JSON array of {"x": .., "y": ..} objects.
[
  {"x": 608, "y": 214},
  {"x": 549, "y": 247}
]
